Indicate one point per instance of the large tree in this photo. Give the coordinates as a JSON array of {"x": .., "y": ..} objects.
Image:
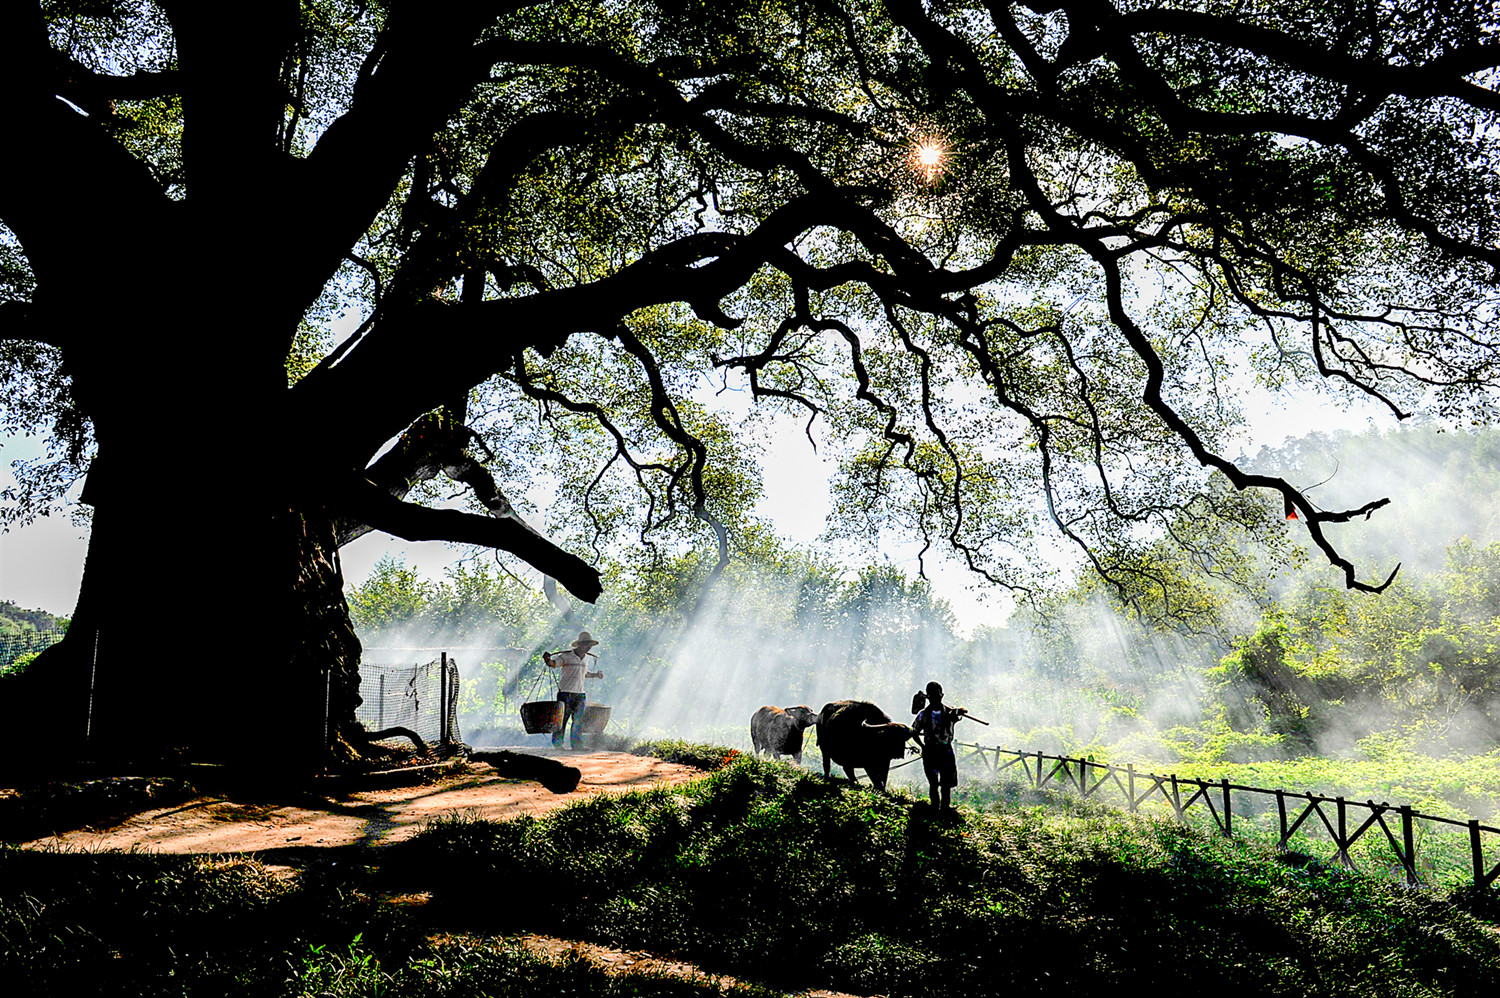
[{"x": 1022, "y": 259}]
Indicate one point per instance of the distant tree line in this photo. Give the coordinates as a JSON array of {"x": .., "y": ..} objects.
[{"x": 15, "y": 619}]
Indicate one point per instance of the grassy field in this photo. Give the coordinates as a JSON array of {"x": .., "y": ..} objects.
[
  {"x": 766, "y": 872},
  {"x": 1457, "y": 788}
]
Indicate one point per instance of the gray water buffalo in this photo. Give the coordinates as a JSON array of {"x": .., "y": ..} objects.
[
  {"x": 778, "y": 730},
  {"x": 859, "y": 735}
]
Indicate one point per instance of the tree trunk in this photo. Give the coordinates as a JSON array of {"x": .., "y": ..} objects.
[
  {"x": 210, "y": 618},
  {"x": 244, "y": 667}
]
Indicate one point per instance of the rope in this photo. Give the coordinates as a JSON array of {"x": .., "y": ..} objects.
[{"x": 536, "y": 684}]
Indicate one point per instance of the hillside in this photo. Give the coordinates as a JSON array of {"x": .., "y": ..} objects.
[
  {"x": 16, "y": 620},
  {"x": 762, "y": 871}
]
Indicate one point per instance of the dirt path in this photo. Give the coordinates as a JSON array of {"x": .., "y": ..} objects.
[
  {"x": 362, "y": 817},
  {"x": 617, "y": 962},
  {"x": 371, "y": 817}
]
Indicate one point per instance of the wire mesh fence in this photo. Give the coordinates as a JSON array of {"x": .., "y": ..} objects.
[
  {"x": 13, "y": 646},
  {"x": 420, "y": 696}
]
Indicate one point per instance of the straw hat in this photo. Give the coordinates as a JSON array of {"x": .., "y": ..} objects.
[{"x": 585, "y": 640}]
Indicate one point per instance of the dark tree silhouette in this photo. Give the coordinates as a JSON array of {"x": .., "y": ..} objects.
[{"x": 1020, "y": 258}]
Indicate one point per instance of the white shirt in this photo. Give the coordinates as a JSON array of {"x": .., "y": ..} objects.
[{"x": 573, "y": 664}]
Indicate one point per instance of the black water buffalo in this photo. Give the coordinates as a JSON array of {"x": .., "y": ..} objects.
[
  {"x": 858, "y": 735},
  {"x": 778, "y": 730}
]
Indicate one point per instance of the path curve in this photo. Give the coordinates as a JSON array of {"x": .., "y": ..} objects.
[{"x": 367, "y": 817}]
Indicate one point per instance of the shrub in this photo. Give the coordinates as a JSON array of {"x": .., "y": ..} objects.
[{"x": 699, "y": 754}]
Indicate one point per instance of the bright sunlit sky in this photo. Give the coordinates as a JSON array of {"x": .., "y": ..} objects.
[{"x": 41, "y": 564}]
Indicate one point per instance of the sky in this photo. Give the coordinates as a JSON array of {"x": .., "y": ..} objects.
[{"x": 41, "y": 564}]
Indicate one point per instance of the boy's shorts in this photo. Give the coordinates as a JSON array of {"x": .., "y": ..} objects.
[{"x": 940, "y": 765}]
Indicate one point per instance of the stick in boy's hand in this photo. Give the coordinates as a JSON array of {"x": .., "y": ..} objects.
[{"x": 962, "y": 713}]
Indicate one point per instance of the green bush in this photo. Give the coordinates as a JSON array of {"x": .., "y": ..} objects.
[
  {"x": 19, "y": 665},
  {"x": 699, "y": 754}
]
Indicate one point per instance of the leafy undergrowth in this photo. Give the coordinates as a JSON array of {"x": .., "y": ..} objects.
[
  {"x": 765, "y": 869},
  {"x": 136, "y": 924}
]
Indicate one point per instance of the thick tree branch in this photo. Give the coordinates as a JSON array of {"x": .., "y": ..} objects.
[
  {"x": 74, "y": 186},
  {"x": 369, "y": 503}
]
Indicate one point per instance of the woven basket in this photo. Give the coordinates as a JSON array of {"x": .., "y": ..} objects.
[
  {"x": 593, "y": 719},
  {"x": 542, "y": 717}
]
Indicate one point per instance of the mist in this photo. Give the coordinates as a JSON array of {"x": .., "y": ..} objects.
[{"x": 1086, "y": 679}]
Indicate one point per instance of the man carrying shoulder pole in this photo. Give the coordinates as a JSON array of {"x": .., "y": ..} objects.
[{"x": 574, "y": 666}]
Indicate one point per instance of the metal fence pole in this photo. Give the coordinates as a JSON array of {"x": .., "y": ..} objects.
[{"x": 1228, "y": 815}]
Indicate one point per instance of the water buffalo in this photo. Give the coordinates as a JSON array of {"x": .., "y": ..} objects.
[
  {"x": 858, "y": 735},
  {"x": 778, "y": 730}
]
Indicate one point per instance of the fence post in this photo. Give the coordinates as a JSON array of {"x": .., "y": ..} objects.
[
  {"x": 1281, "y": 812},
  {"x": 443, "y": 700},
  {"x": 1039, "y": 770},
  {"x": 1130, "y": 777},
  {"x": 1410, "y": 859},
  {"x": 380, "y": 724},
  {"x": 1343, "y": 836},
  {"x": 1176, "y": 798},
  {"x": 1476, "y": 848},
  {"x": 1228, "y": 816}
]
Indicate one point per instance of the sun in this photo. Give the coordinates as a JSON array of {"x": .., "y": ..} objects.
[{"x": 928, "y": 156}]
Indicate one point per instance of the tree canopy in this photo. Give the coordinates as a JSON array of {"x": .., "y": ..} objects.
[{"x": 1018, "y": 261}]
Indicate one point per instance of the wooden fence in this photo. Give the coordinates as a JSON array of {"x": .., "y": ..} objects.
[{"x": 1346, "y": 821}]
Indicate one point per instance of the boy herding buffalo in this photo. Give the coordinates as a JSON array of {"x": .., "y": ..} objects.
[
  {"x": 933, "y": 731},
  {"x": 856, "y": 734}
]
